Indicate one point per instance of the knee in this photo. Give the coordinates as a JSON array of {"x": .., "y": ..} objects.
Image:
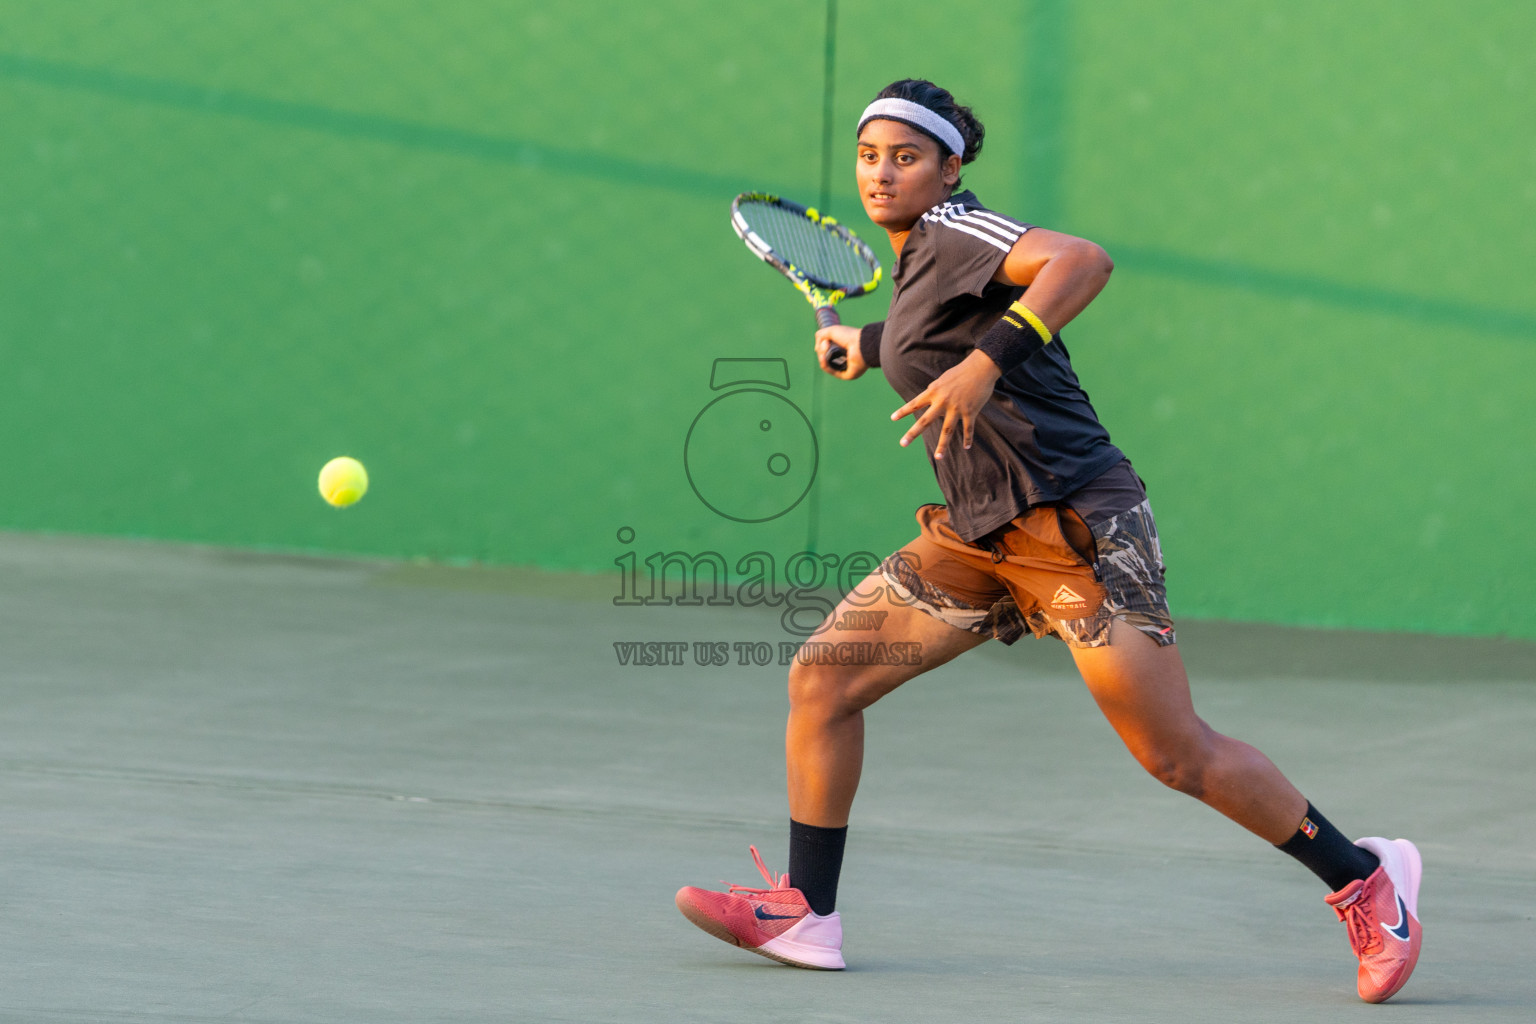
[
  {"x": 1182, "y": 767},
  {"x": 826, "y": 689}
]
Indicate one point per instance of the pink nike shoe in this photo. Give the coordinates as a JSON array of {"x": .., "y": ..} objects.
[
  {"x": 1381, "y": 914},
  {"x": 775, "y": 922}
]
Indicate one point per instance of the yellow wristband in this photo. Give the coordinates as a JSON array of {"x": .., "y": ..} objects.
[
  {"x": 1033, "y": 321},
  {"x": 1011, "y": 342}
]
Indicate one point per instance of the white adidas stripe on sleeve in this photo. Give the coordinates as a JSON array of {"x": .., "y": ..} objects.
[
  {"x": 1007, "y": 234},
  {"x": 983, "y": 224},
  {"x": 1011, "y": 225},
  {"x": 989, "y": 239}
]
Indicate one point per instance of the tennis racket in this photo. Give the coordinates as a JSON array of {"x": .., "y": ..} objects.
[{"x": 821, "y": 258}]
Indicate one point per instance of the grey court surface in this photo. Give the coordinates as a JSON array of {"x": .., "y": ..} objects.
[{"x": 252, "y": 788}]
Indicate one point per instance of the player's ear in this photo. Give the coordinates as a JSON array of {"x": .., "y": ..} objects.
[{"x": 951, "y": 171}]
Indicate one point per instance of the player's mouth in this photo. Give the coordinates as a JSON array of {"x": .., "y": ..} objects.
[{"x": 879, "y": 198}]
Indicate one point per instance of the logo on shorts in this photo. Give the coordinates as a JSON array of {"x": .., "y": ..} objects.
[{"x": 1066, "y": 597}]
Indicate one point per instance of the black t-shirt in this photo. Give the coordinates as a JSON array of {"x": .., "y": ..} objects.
[{"x": 1038, "y": 438}]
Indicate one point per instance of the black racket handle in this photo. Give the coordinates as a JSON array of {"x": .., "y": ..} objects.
[{"x": 837, "y": 356}]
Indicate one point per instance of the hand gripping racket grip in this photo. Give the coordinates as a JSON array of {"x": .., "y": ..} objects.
[{"x": 837, "y": 356}]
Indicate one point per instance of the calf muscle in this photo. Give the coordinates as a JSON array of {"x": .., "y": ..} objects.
[{"x": 1144, "y": 692}]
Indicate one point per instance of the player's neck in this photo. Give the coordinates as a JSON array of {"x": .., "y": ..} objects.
[{"x": 899, "y": 237}]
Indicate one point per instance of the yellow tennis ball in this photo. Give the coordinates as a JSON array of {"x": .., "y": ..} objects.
[{"x": 342, "y": 481}]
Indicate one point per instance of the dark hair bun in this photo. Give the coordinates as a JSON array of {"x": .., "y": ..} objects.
[{"x": 926, "y": 94}]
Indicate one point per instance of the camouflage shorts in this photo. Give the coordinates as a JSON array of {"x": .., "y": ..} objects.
[{"x": 956, "y": 587}]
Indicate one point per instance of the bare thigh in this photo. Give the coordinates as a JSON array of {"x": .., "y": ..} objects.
[{"x": 854, "y": 657}]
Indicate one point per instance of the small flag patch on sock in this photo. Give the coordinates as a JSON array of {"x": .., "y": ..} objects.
[{"x": 1308, "y": 829}]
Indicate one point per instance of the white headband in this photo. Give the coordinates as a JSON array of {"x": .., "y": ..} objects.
[{"x": 917, "y": 116}]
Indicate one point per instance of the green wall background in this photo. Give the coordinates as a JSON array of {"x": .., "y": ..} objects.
[{"x": 484, "y": 248}]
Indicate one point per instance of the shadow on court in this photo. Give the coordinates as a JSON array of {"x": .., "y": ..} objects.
[{"x": 259, "y": 788}]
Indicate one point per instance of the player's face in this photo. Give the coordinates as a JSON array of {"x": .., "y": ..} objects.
[{"x": 901, "y": 174}]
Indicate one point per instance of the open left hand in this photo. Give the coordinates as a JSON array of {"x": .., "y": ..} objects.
[{"x": 955, "y": 395}]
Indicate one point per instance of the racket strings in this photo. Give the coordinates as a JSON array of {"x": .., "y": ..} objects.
[{"x": 816, "y": 251}]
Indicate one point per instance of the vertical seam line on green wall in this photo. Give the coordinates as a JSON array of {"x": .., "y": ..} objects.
[
  {"x": 828, "y": 85},
  {"x": 1047, "y": 38}
]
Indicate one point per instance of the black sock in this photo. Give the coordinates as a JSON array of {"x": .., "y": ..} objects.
[
  {"x": 1327, "y": 854},
  {"x": 815, "y": 861}
]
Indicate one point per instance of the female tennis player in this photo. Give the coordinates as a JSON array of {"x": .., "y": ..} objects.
[{"x": 1045, "y": 529}]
